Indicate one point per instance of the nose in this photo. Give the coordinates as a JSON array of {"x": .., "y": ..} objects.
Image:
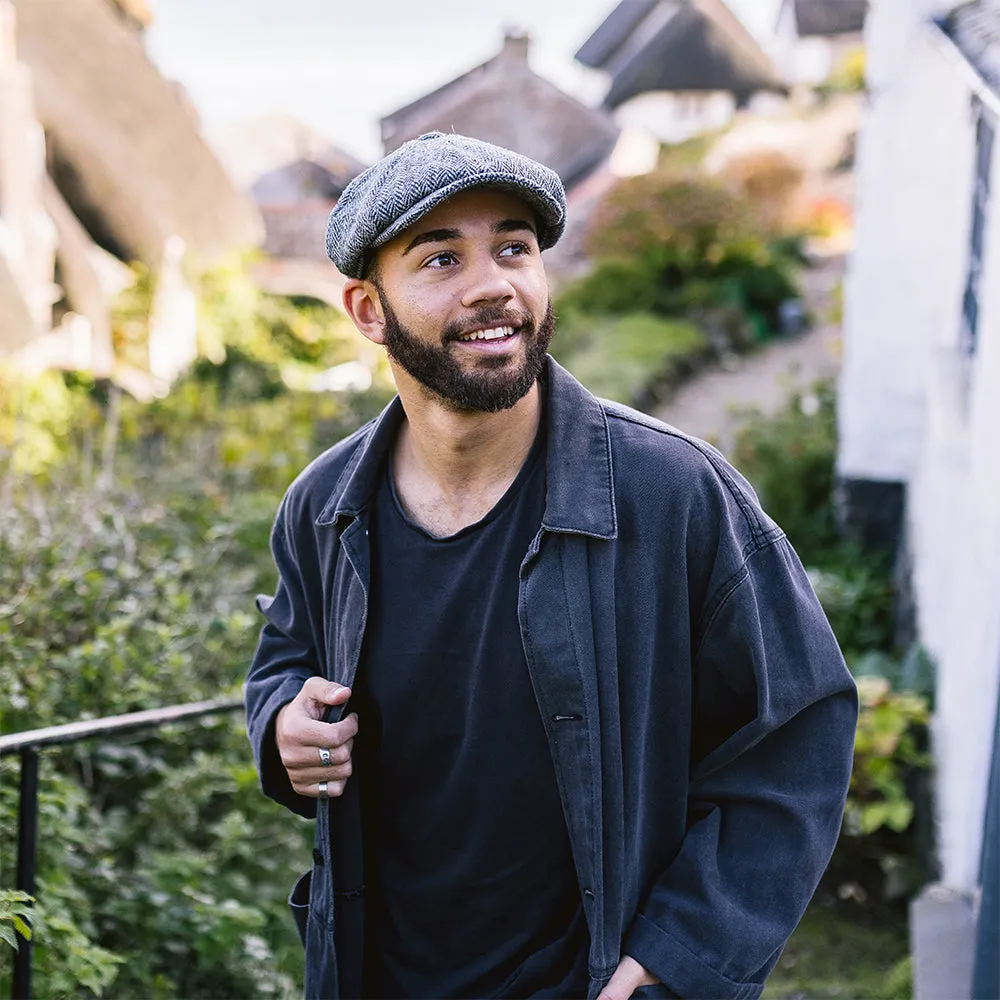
[{"x": 488, "y": 282}]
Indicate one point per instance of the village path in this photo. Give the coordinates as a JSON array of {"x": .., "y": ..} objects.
[{"x": 709, "y": 406}]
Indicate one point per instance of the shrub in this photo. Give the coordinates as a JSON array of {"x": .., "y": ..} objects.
[
  {"x": 769, "y": 181},
  {"x": 673, "y": 245},
  {"x": 672, "y": 223},
  {"x": 879, "y": 856},
  {"x": 790, "y": 459},
  {"x": 133, "y": 538}
]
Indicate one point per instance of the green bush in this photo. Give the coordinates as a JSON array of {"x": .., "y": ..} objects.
[
  {"x": 665, "y": 243},
  {"x": 790, "y": 457},
  {"x": 133, "y": 538},
  {"x": 161, "y": 868},
  {"x": 790, "y": 460}
]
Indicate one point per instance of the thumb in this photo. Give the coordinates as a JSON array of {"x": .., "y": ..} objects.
[{"x": 324, "y": 692}]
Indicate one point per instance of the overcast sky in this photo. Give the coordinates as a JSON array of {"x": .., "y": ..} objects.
[{"x": 340, "y": 64}]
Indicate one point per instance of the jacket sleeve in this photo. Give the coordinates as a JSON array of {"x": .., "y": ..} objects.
[
  {"x": 774, "y": 713},
  {"x": 285, "y": 659}
]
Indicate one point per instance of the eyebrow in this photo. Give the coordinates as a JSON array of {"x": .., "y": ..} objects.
[
  {"x": 432, "y": 236},
  {"x": 444, "y": 235},
  {"x": 514, "y": 226}
]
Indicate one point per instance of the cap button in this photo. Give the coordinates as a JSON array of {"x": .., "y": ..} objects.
[{"x": 431, "y": 135}]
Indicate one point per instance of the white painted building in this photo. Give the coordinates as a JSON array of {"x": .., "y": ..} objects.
[
  {"x": 812, "y": 37},
  {"x": 675, "y": 69},
  {"x": 920, "y": 384}
]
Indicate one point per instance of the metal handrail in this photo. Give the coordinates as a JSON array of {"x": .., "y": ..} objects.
[{"x": 27, "y": 745}]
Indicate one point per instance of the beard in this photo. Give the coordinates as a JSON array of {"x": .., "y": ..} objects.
[{"x": 496, "y": 383}]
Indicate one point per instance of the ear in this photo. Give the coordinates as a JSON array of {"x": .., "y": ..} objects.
[{"x": 363, "y": 305}]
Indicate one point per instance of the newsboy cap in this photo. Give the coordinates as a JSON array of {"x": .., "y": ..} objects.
[{"x": 415, "y": 178}]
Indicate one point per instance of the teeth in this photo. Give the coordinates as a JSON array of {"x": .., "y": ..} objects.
[{"x": 492, "y": 334}]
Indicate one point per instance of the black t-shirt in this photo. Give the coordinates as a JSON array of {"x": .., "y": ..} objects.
[{"x": 471, "y": 886}]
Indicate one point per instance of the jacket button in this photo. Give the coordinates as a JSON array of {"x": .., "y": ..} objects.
[
  {"x": 589, "y": 893},
  {"x": 317, "y": 856}
]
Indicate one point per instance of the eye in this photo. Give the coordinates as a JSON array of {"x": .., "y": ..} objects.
[
  {"x": 441, "y": 260},
  {"x": 516, "y": 249}
]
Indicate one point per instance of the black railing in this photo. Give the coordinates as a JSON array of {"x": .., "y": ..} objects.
[{"x": 29, "y": 743}]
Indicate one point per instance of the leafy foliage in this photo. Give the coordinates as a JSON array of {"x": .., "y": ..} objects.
[
  {"x": 789, "y": 458},
  {"x": 14, "y": 907},
  {"x": 656, "y": 237},
  {"x": 132, "y": 541},
  {"x": 769, "y": 181},
  {"x": 689, "y": 252}
]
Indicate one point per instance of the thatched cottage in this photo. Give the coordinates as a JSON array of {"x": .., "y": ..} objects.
[
  {"x": 125, "y": 166},
  {"x": 676, "y": 68},
  {"x": 503, "y": 101}
]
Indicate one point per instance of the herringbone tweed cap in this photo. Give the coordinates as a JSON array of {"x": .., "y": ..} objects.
[{"x": 391, "y": 195}]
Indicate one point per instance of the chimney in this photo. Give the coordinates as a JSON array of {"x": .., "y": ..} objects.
[{"x": 515, "y": 46}]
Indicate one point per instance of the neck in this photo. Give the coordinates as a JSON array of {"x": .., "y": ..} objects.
[{"x": 458, "y": 463}]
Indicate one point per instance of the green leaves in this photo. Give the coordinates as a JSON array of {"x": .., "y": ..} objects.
[{"x": 14, "y": 907}]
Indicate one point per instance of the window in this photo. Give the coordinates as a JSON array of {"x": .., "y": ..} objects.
[{"x": 985, "y": 130}]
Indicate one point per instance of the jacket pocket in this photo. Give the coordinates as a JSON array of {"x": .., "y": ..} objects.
[{"x": 298, "y": 902}]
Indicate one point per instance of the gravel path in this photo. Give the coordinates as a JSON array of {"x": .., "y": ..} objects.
[{"x": 709, "y": 405}]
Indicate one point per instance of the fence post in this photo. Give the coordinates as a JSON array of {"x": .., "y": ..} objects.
[{"x": 27, "y": 839}]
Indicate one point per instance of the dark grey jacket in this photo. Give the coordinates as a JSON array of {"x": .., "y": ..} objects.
[{"x": 699, "y": 712}]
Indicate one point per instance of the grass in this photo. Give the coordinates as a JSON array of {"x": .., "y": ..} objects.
[
  {"x": 621, "y": 357},
  {"x": 833, "y": 956}
]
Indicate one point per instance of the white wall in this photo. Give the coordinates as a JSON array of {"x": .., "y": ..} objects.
[
  {"x": 904, "y": 280},
  {"x": 912, "y": 407},
  {"x": 674, "y": 117},
  {"x": 955, "y": 531}
]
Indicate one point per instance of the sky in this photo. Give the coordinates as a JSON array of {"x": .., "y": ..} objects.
[{"x": 338, "y": 65}]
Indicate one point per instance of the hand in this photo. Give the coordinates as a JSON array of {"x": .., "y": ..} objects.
[
  {"x": 299, "y": 734},
  {"x": 628, "y": 977}
]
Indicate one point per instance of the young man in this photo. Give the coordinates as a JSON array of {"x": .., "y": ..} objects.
[{"x": 598, "y": 733}]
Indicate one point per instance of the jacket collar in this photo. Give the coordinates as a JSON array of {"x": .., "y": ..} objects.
[{"x": 580, "y": 495}]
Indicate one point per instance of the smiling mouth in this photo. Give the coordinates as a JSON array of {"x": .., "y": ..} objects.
[{"x": 493, "y": 333}]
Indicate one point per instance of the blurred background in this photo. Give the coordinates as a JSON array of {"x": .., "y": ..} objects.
[{"x": 781, "y": 239}]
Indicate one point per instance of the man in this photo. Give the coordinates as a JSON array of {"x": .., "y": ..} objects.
[{"x": 598, "y": 733}]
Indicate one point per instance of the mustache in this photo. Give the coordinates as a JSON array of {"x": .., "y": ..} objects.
[{"x": 489, "y": 316}]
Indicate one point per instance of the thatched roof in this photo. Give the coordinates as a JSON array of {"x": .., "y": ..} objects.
[
  {"x": 504, "y": 102},
  {"x": 125, "y": 150},
  {"x": 975, "y": 28},
  {"x": 304, "y": 180},
  {"x": 679, "y": 45}
]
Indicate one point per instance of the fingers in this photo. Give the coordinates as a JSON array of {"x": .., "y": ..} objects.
[
  {"x": 334, "y": 789},
  {"x": 309, "y": 732},
  {"x": 299, "y": 734},
  {"x": 295, "y": 729},
  {"x": 628, "y": 977},
  {"x": 307, "y": 757},
  {"x": 308, "y": 782},
  {"x": 317, "y": 694}
]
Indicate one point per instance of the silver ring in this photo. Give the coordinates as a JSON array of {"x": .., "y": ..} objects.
[
  {"x": 324, "y": 757},
  {"x": 324, "y": 790}
]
